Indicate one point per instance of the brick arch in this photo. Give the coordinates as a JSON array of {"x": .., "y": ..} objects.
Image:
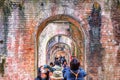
[
  {"x": 62, "y": 42},
  {"x": 118, "y": 57},
  {"x": 58, "y": 17},
  {"x": 63, "y": 17},
  {"x": 54, "y": 47}
]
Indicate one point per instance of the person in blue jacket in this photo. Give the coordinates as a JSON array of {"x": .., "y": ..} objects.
[{"x": 75, "y": 72}]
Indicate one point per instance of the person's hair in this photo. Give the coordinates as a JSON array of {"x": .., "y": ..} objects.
[
  {"x": 47, "y": 74},
  {"x": 51, "y": 64},
  {"x": 74, "y": 64},
  {"x": 64, "y": 61},
  {"x": 57, "y": 63}
]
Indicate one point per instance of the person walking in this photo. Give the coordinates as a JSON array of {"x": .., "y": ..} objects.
[{"x": 75, "y": 72}]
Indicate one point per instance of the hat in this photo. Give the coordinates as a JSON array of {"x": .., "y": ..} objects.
[
  {"x": 57, "y": 75},
  {"x": 57, "y": 68},
  {"x": 43, "y": 71},
  {"x": 45, "y": 66}
]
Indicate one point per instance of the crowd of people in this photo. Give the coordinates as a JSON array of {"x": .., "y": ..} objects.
[{"x": 60, "y": 70}]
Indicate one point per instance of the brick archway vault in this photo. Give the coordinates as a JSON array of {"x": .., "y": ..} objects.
[{"x": 54, "y": 18}]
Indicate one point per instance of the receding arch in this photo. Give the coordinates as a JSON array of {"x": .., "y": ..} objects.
[
  {"x": 54, "y": 50},
  {"x": 57, "y": 44},
  {"x": 72, "y": 40},
  {"x": 71, "y": 49},
  {"x": 58, "y": 17},
  {"x": 51, "y": 19}
]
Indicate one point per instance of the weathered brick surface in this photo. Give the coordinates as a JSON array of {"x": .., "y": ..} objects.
[{"x": 22, "y": 29}]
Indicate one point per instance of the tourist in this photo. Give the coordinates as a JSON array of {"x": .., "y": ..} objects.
[
  {"x": 51, "y": 64},
  {"x": 57, "y": 74},
  {"x": 44, "y": 74},
  {"x": 75, "y": 72},
  {"x": 64, "y": 65},
  {"x": 39, "y": 73},
  {"x": 57, "y": 62}
]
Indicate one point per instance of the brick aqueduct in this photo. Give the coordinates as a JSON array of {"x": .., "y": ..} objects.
[{"x": 33, "y": 32}]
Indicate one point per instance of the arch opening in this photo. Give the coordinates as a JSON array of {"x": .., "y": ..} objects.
[
  {"x": 73, "y": 31},
  {"x": 65, "y": 45}
]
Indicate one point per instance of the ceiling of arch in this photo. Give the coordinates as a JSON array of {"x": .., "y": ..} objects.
[
  {"x": 59, "y": 47},
  {"x": 60, "y": 39},
  {"x": 51, "y": 30}
]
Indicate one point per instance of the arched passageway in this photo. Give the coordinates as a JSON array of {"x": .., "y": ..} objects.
[
  {"x": 60, "y": 34},
  {"x": 60, "y": 45}
]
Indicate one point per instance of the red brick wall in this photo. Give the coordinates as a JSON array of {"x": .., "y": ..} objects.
[{"x": 21, "y": 47}]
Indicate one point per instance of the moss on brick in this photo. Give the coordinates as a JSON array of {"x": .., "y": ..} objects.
[
  {"x": 2, "y": 3},
  {"x": 2, "y": 67}
]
